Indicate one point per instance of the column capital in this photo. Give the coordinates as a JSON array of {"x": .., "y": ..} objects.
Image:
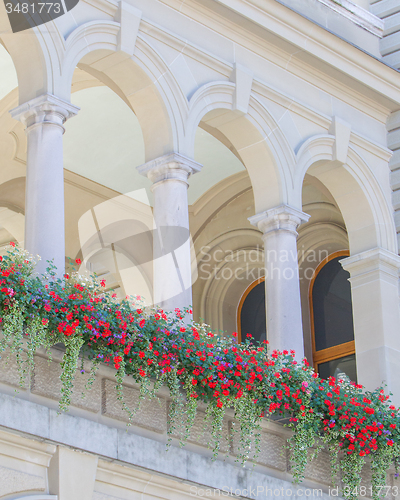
[
  {"x": 376, "y": 259},
  {"x": 281, "y": 218},
  {"x": 46, "y": 108},
  {"x": 172, "y": 166}
]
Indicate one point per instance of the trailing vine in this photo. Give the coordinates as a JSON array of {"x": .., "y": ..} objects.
[
  {"x": 69, "y": 365},
  {"x": 157, "y": 348}
]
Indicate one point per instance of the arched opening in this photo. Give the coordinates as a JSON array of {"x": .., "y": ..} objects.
[
  {"x": 332, "y": 328},
  {"x": 361, "y": 199},
  {"x": 137, "y": 81},
  {"x": 254, "y": 138},
  {"x": 230, "y": 253},
  {"x": 108, "y": 203},
  {"x": 125, "y": 120}
]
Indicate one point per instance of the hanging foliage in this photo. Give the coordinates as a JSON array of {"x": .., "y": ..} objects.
[{"x": 156, "y": 348}]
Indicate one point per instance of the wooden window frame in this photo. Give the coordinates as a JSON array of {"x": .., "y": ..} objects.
[
  {"x": 241, "y": 302},
  {"x": 335, "y": 352}
]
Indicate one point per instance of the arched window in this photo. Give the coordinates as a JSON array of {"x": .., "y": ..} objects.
[
  {"x": 251, "y": 312},
  {"x": 332, "y": 319}
]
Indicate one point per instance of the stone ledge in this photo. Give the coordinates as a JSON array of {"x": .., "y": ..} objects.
[{"x": 133, "y": 449}]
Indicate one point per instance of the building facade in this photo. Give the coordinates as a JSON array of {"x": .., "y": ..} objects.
[{"x": 242, "y": 157}]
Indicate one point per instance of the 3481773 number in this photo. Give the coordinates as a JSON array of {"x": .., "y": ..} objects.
[
  {"x": 32, "y": 8},
  {"x": 364, "y": 491}
]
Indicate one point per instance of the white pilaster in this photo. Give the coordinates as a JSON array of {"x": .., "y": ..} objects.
[
  {"x": 374, "y": 278},
  {"x": 72, "y": 474},
  {"x": 282, "y": 290},
  {"x": 43, "y": 118},
  {"x": 172, "y": 259}
]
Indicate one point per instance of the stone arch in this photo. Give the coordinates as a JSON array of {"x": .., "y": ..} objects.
[
  {"x": 256, "y": 137},
  {"x": 143, "y": 81},
  {"x": 36, "y": 54},
  {"x": 356, "y": 190}
]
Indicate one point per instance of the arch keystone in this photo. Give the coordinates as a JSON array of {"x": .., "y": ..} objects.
[
  {"x": 341, "y": 130},
  {"x": 129, "y": 18},
  {"x": 243, "y": 80}
]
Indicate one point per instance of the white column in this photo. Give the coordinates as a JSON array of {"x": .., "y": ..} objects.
[
  {"x": 374, "y": 278},
  {"x": 282, "y": 289},
  {"x": 172, "y": 243},
  {"x": 43, "y": 118}
]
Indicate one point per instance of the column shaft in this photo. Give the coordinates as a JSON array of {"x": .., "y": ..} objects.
[
  {"x": 172, "y": 242},
  {"x": 374, "y": 278},
  {"x": 44, "y": 198},
  {"x": 282, "y": 290}
]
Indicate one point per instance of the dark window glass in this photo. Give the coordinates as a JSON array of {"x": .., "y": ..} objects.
[
  {"x": 252, "y": 317},
  {"x": 333, "y": 316},
  {"x": 336, "y": 368}
]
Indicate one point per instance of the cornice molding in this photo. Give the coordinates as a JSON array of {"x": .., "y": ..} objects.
[
  {"x": 277, "y": 19},
  {"x": 354, "y": 13},
  {"x": 272, "y": 53}
]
